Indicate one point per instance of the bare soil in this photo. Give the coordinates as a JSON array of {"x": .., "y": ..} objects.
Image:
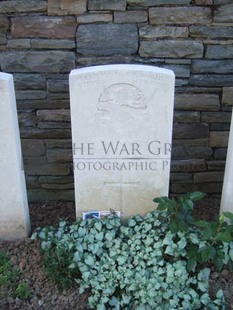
[{"x": 44, "y": 294}]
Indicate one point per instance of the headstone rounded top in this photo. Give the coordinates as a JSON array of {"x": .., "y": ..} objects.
[
  {"x": 121, "y": 67},
  {"x": 6, "y": 76}
]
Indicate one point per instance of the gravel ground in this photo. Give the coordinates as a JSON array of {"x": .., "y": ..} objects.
[{"x": 44, "y": 294}]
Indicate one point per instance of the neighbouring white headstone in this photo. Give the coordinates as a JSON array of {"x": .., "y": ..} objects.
[
  {"x": 122, "y": 117},
  {"x": 227, "y": 191},
  {"x": 14, "y": 214}
]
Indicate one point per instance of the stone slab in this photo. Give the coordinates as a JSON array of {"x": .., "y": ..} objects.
[
  {"x": 155, "y": 32},
  {"x": 101, "y": 5},
  {"x": 156, "y": 3},
  {"x": 219, "y": 51},
  {"x": 66, "y": 7},
  {"x": 111, "y": 43},
  {"x": 43, "y": 27},
  {"x": 180, "y": 15},
  {"x": 227, "y": 95},
  {"x": 38, "y": 62},
  {"x": 227, "y": 191},
  {"x": 224, "y": 14},
  {"x": 14, "y": 221},
  {"x": 19, "y": 6},
  {"x": 171, "y": 48},
  {"x": 121, "y": 119}
]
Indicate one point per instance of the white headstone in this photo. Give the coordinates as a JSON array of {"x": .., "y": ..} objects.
[
  {"x": 14, "y": 214},
  {"x": 122, "y": 118},
  {"x": 227, "y": 191}
]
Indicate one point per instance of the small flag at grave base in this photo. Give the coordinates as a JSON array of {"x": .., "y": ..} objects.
[{"x": 99, "y": 214}]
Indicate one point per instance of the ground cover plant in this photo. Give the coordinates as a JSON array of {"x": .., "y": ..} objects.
[
  {"x": 160, "y": 261},
  {"x": 9, "y": 279}
]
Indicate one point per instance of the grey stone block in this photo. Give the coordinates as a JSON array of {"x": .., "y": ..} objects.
[
  {"x": 33, "y": 147},
  {"x": 32, "y": 182},
  {"x": 38, "y": 133},
  {"x": 211, "y": 80},
  {"x": 216, "y": 117},
  {"x": 37, "y": 62},
  {"x": 52, "y": 44},
  {"x": 190, "y": 142},
  {"x": 216, "y": 165},
  {"x": 29, "y": 81},
  {"x": 60, "y": 115},
  {"x": 219, "y": 138},
  {"x": 3, "y": 39},
  {"x": 224, "y": 14},
  {"x": 112, "y": 39},
  {"x": 190, "y": 131},
  {"x": 43, "y": 27},
  {"x": 227, "y": 95},
  {"x": 220, "y": 153},
  {"x": 186, "y": 117},
  {"x": 208, "y": 177},
  {"x": 56, "y": 179},
  {"x": 101, "y": 5},
  {"x": 50, "y": 195},
  {"x": 57, "y": 186},
  {"x": 220, "y": 126},
  {"x": 94, "y": 18},
  {"x": 219, "y": 51},
  {"x": 32, "y": 167},
  {"x": 30, "y": 94},
  {"x": 27, "y": 119},
  {"x": 43, "y": 104},
  {"x": 180, "y": 177},
  {"x": 4, "y": 23},
  {"x": 19, "y": 6},
  {"x": 180, "y": 15},
  {"x": 130, "y": 17},
  {"x": 212, "y": 66},
  {"x": 54, "y": 125},
  {"x": 18, "y": 44},
  {"x": 181, "y": 71},
  {"x": 187, "y": 152},
  {"x": 156, "y": 3},
  {"x": 58, "y": 86},
  {"x": 155, "y": 32},
  {"x": 211, "y": 32},
  {"x": 171, "y": 48},
  {"x": 66, "y": 7},
  {"x": 208, "y": 188},
  {"x": 197, "y": 102}
]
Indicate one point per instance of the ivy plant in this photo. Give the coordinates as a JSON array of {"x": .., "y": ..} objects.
[{"x": 160, "y": 261}]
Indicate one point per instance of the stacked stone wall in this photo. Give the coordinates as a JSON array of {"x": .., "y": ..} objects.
[{"x": 42, "y": 41}]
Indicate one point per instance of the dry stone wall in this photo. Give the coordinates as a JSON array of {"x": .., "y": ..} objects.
[{"x": 42, "y": 41}]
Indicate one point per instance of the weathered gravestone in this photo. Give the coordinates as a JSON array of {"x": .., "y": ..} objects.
[
  {"x": 14, "y": 215},
  {"x": 227, "y": 191},
  {"x": 122, "y": 119}
]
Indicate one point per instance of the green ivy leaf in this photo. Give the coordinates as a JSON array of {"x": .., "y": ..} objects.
[
  {"x": 89, "y": 261},
  {"x": 98, "y": 226},
  {"x": 224, "y": 236},
  {"x": 196, "y": 196},
  {"x": 191, "y": 264},
  {"x": 99, "y": 236},
  {"x": 174, "y": 226}
]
